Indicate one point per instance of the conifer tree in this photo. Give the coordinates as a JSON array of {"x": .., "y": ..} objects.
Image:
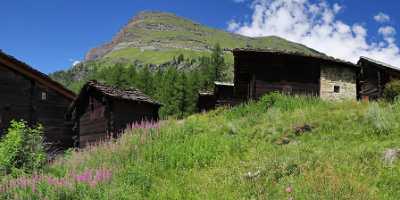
[
  {"x": 218, "y": 62},
  {"x": 145, "y": 81}
]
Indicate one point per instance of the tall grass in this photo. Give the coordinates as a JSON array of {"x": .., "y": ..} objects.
[{"x": 234, "y": 154}]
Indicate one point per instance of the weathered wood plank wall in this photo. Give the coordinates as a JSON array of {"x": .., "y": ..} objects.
[{"x": 24, "y": 98}]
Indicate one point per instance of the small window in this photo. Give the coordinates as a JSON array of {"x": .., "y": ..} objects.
[
  {"x": 44, "y": 96},
  {"x": 336, "y": 89}
]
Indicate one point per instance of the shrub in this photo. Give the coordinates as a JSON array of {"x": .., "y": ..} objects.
[
  {"x": 22, "y": 149},
  {"x": 379, "y": 119},
  {"x": 392, "y": 90}
]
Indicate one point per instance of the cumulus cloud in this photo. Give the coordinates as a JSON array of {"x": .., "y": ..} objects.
[
  {"x": 387, "y": 31},
  {"x": 315, "y": 25},
  {"x": 337, "y": 8},
  {"x": 382, "y": 17},
  {"x": 233, "y": 25}
]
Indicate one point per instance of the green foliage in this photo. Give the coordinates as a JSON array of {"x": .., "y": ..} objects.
[
  {"x": 284, "y": 102},
  {"x": 175, "y": 84},
  {"x": 392, "y": 90},
  {"x": 22, "y": 149},
  {"x": 232, "y": 153},
  {"x": 217, "y": 60},
  {"x": 380, "y": 119}
]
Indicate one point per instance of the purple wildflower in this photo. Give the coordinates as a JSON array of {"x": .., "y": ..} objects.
[{"x": 89, "y": 177}]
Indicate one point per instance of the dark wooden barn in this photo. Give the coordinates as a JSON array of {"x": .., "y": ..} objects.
[
  {"x": 374, "y": 76},
  {"x": 29, "y": 95},
  {"x": 221, "y": 96},
  {"x": 205, "y": 101},
  {"x": 101, "y": 111},
  {"x": 259, "y": 71},
  {"x": 223, "y": 93}
]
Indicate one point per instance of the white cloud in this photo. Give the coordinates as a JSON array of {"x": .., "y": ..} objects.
[
  {"x": 75, "y": 62},
  {"x": 232, "y": 25},
  {"x": 337, "y": 8},
  {"x": 382, "y": 17},
  {"x": 315, "y": 25},
  {"x": 387, "y": 31}
]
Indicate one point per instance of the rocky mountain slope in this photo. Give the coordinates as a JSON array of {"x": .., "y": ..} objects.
[
  {"x": 157, "y": 38},
  {"x": 167, "y": 34}
]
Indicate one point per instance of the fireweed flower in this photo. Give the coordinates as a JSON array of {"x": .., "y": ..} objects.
[
  {"x": 289, "y": 189},
  {"x": 89, "y": 177}
]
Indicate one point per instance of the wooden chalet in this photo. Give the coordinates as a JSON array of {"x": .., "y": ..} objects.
[
  {"x": 374, "y": 76},
  {"x": 221, "y": 96},
  {"x": 205, "y": 101},
  {"x": 259, "y": 71},
  {"x": 223, "y": 93},
  {"x": 29, "y": 95},
  {"x": 102, "y": 111}
]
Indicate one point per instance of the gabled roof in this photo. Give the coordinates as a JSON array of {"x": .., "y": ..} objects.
[
  {"x": 322, "y": 57},
  {"x": 376, "y": 62},
  {"x": 131, "y": 94},
  {"x": 26, "y": 70}
]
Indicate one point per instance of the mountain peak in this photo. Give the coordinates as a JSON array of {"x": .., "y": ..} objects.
[{"x": 163, "y": 31}]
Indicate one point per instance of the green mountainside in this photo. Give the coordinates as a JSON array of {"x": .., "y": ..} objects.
[
  {"x": 277, "y": 148},
  {"x": 167, "y": 57},
  {"x": 156, "y": 37}
]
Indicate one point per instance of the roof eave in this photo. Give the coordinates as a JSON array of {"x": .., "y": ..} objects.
[
  {"x": 14, "y": 64},
  {"x": 378, "y": 63},
  {"x": 293, "y": 53}
]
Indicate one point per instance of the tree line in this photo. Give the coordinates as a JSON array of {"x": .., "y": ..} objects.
[{"x": 175, "y": 84}]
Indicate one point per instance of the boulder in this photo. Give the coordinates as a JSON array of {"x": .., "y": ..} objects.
[{"x": 390, "y": 156}]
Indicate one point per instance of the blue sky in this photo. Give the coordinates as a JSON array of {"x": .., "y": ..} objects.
[{"x": 52, "y": 34}]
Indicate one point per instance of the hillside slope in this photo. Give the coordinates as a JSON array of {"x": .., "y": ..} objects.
[
  {"x": 157, "y": 39},
  {"x": 278, "y": 148},
  {"x": 151, "y": 32}
]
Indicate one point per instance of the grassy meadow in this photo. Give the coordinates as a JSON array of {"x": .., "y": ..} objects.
[
  {"x": 159, "y": 57},
  {"x": 278, "y": 148}
]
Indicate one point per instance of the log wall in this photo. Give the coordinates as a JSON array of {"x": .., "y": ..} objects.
[
  {"x": 373, "y": 79},
  {"x": 125, "y": 113},
  {"x": 23, "y": 98},
  {"x": 93, "y": 124},
  {"x": 102, "y": 120}
]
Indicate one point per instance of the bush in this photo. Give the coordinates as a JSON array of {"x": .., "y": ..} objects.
[
  {"x": 392, "y": 90},
  {"x": 22, "y": 149},
  {"x": 380, "y": 119}
]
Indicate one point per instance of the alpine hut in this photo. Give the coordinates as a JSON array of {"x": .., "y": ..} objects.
[
  {"x": 260, "y": 71},
  {"x": 102, "y": 111},
  {"x": 205, "y": 101},
  {"x": 29, "y": 95},
  {"x": 374, "y": 76},
  {"x": 223, "y": 92},
  {"x": 221, "y": 96}
]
